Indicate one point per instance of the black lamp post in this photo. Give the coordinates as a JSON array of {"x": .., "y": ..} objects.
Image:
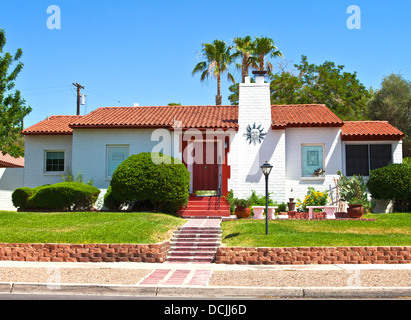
[{"x": 266, "y": 168}]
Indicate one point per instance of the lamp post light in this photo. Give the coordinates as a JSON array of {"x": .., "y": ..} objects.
[{"x": 266, "y": 168}]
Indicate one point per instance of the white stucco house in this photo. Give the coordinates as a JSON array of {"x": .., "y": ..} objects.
[
  {"x": 11, "y": 178},
  {"x": 223, "y": 147}
]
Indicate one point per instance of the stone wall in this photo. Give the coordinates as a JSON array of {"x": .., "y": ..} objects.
[
  {"x": 314, "y": 255},
  {"x": 84, "y": 252}
]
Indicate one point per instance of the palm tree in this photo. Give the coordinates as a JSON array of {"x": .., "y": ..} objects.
[
  {"x": 218, "y": 58},
  {"x": 244, "y": 48},
  {"x": 264, "y": 46}
]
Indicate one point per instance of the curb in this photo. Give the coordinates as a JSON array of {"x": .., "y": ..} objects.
[{"x": 207, "y": 292}]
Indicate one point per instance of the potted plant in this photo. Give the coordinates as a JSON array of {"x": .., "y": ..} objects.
[
  {"x": 354, "y": 191},
  {"x": 242, "y": 208},
  {"x": 355, "y": 208}
]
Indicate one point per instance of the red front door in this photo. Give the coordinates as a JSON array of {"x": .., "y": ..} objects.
[{"x": 205, "y": 174}]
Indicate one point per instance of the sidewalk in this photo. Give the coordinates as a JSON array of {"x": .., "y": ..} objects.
[{"x": 207, "y": 280}]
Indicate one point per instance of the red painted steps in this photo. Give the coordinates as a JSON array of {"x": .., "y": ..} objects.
[
  {"x": 194, "y": 245},
  {"x": 205, "y": 207}
]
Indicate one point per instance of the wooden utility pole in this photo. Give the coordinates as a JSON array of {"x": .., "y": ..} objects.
[{"x": 79, "y": 87}]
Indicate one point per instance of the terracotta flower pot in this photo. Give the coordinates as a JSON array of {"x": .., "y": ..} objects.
[
  {"x": 355, "y": 210},
  {"x": 242, "y": 213}
]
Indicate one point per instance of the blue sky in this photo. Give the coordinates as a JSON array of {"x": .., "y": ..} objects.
[{"x": 132, "y": 51}]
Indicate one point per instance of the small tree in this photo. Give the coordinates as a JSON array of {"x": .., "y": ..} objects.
[{"x": 13, "y": 107}]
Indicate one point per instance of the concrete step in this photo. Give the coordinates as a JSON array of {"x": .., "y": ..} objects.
[
  {"x": 196, "y": 238},
  {"x": 191, "y": 253},
  {"x": 194, "y": 249},
  {"x": 199, "y": 229},
  {"x": 195, "y": 235},
  {"x": 201, "y": 233},
  {"x": 188, "y": 259},
  {"x": 194, "y": 243}
]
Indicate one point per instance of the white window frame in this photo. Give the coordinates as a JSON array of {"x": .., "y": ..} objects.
[
  {"x": 302, "y": 161},
  {"x": 107, "y": 148},
  {"x": 52, "y": 173}
]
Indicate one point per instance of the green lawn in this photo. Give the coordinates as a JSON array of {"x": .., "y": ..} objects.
[
  {"x": 388, "y": 230},
  {"x": 87, "y": 227}
]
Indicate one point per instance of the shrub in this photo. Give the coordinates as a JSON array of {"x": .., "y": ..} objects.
[
  {"x": 392, "y": 182},
  {"x": 164, "y": 184},
  {"x": 110, "y": 202},
  {"x": 313, "y": 198},
  {"x": 63, "y": 196},
  {"x": 20, "y": 197},
  {"x": 230, "y": 200},
  {"x": 282, "y": 207},
  {"x": 257, "y": 200}
]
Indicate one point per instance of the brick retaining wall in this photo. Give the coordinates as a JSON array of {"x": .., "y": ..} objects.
[
  {"x": 84, "y": 252},
  {"x": 314, "y": 255}
]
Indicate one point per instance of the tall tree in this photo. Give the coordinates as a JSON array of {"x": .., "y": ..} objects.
[
  {"x": 218, "y": 57},
  {"x": 13, "y": 107},
  {"x": 244, "y": 47},
  {"x": 392, "y": 102},
  {"x": 263, "y": 47},
  {"x": 327, "y": 83}
]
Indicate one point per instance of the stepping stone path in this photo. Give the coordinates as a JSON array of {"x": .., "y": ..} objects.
[{"x": 195, "y": 242}]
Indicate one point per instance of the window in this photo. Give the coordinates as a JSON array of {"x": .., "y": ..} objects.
[
  {"x": 357, "y": 160},
  {"x": 360, "y": 159},
  {"x": 380, "y": 155},
  {"x": 312, "y": 160},
  {"x": 54, "y": 161},
  {"x": 115, "y": 155}
]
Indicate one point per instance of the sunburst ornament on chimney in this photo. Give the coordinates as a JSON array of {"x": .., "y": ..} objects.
[{"x": 255, "y": 133}]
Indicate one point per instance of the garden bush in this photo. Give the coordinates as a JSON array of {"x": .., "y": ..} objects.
[
  {"x": 110, "y": 202},
  {"x": 64, "y": 196},
  {"x": 61, "y": 196},
  {"x": 164, "y": 183},
  {"x": 257, "y": 200},
  {"x": 392, "y": 182},
  {"x": 313, "y": 198},
  {"x": 20, "y": 196}
]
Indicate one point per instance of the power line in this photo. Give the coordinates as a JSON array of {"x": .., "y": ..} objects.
[
  {"x": 42, "y": 88},
  {"x": 47, "y": 92},
  {"x": 97, "y": 94}
]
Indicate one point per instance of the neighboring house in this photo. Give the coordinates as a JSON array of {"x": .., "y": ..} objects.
[
  {"x": 223, "y": 147},
  {"x": 11, "y": 178}
]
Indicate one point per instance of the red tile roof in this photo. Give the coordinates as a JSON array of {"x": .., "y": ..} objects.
[
  {"x": 225, "y": 117},
  {"x": 306, "y": 115},
  {"x": 203, "y": 117},
  {"x": 7, "y": 161},
  {"x": 52, "y": 125},
  {"x": 370, "y": 130}
]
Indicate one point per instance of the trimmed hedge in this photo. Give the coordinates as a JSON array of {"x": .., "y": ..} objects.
[
  {"x": 60, "y": 196},
  {"x": 392, "y": 182},
  {"x": 164, "y": 184}
]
